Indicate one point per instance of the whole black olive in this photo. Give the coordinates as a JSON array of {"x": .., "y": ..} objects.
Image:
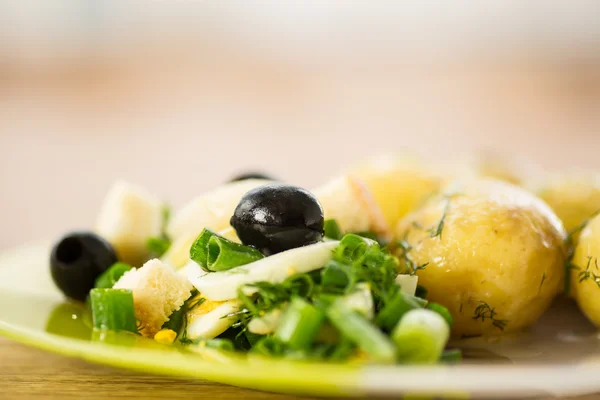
[
  {"x": 251, "y": 175},
  {"x": 278, "y": 217},
  {"x": 77, "y": 259}
]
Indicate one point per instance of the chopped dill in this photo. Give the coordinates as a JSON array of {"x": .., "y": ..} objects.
[
  {"x": 483, "y": 311},
  {"x": 586, "y": 274},
  {"x": 569, "y": 243},
  {"x": 440, "y": 226},
  {"x": 413, "y": 267},
  {"x": 542, "y": 282}
]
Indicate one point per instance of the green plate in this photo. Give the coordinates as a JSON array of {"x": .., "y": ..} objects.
[{"x": 559, "y": 356}]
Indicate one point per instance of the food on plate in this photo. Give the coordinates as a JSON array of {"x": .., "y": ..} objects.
[
  {"x": 129, "y": 217},
  {"x": 398, "y": 183},
  {"x": 585, "y": 271},
  {"x": 277, "y": 217},
  {"x": 382, "y": 264},
  {"x": 491, "y": 252},
  {"x": 573, "y": 197},
  {"x": 251, "y": 175},
  {"x": 77, "y": 260}
]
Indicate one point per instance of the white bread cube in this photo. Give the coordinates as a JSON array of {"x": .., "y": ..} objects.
[
  {"x": 129, "y": 216},
  {"x": 158, "y": 291}
]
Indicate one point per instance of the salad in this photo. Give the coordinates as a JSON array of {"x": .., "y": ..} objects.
[{"x": 382, "y": 265}]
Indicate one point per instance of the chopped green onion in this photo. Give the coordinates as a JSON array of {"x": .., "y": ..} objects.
[
  {"x": 219, "y": 344},
  {"x": 252, "y": 338},
  {"x": 199, "y": 250},
  {"x": 342, "y": 350},
  {"x": 336, "y": 277},
  {"x": 158, "y": 245},
  {"x": 112, "y": 309},
  {"x": 299, "y": 324},
  {"x": 224, "y": 254},
  {"x": 175, "y": 321},
  {"x": 269, "y": 346},
  {"x": 443, "y": 311},
  {"x": 361, "y": 332},
  {"x": 354, "y": 247},
  {"x": 109, "y": 277},
  {"x": 451, "y": 356},
  {"x": 332, "y": 229},
  {"x": 421, "y": 336},
  {"x": 215, "y": 253},
  {"x": 396, "y": 308}
]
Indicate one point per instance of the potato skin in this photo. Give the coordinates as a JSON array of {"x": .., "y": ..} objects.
[
  {"x": 574, "y": 198},
  {"x": 499, "y": 258},
  {"x": 585, "y": 277}
]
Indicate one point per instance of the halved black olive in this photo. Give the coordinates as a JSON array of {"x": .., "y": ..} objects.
[
  {"x": 278, "y": 217},
  {"x": 77, "y": 259},
  {"x": 251, "y": 175}
]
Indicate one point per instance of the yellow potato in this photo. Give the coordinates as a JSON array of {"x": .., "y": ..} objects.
[
  {"x": 585, "y": 277},
  {"x": 398, "y": 184},
  {"x": 574, "y": 198},
  {"x": 489, "y": 251}
]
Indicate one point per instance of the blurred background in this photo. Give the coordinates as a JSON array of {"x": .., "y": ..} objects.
[{"x": 179, "y": 95}]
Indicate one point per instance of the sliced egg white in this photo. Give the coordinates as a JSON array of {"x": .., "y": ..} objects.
[
  {"x": 265, "y": 324},
  {"x": 210, "y": 210},
  {"x": 408, "y": 283},
  {"x": 209, "y": 319},
  {"x": 360, "y": 300},
  {"x": 219, "y": 286}
]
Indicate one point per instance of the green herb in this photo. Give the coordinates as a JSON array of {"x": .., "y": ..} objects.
[
  {"x": 299, "y": 324},
  {"x": 443, "y": 311},
  {"x": 270, "y": 295},
  {"x": 395, "y": 309},
  {"x": 420, "y": 337},
  {"x": 159, "y": 245},
  {"x": 440, "y": 226},
  {"x": 112, "y": 309},
  {"x": 542, "y": 282},
  {"x": 175, "y": 321},
  {"x": 586, "y": 274},
  {"x": 109, "y": 277},
  {"x": 190, "y": 304},
  {"x": 361, "y": 332},
  {"x": 332, "y": 229},
  {"x": 215, "y": 253},
  {"x": 483, "y": 311},
  {"x": 336, "y": 277},
  {"x": 452, "y": 356},
  {"x": 570, "y": 245},
  {"x": 218, "y": 344},
  {"x": 405, "y": 248}
]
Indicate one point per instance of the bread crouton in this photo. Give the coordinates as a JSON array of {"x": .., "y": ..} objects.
[
  {"x": 158, "y": 291},
  {"x": 130, "y": 216}
]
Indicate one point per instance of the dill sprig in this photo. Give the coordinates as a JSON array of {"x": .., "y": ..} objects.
[
  {"x": 586, "y": 274},
  {"x": 570, "y": 245},
  {"x": 405, "y": 248},
  {"x": 483, "y": 311},
  {"x": 437, "y": 231},
  {"x": 542, "y": 282}
]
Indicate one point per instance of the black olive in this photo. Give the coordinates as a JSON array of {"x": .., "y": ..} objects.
[
  {"x": 251, "y": 175},
  {"x": 77, "y": 259},
  {"x": 278, "y": 217}
]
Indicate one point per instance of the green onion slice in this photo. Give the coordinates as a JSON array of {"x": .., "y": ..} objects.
[
  {"x": 109, "y": 277},
  {"x": 215, "y": 253},
  {"x": 112, "y": 309}
]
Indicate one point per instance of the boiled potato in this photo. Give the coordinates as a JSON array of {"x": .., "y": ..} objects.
[
  {"x": 585, "y": 277},
  {"x": 399, "y": 183},
  {"x": 573, "y": 197},
  {"x": 489, "y": 251}
]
